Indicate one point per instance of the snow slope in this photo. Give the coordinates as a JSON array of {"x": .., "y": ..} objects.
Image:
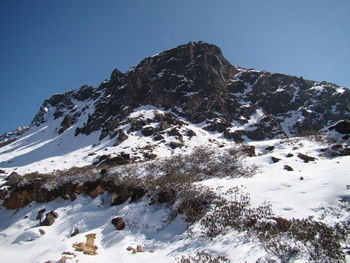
[{"x": 318, "y": 188}]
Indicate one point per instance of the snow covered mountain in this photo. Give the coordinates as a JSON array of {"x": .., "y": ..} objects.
[
  {"x": 170, "y": 100},
  {"x": 192, "y": 158}
]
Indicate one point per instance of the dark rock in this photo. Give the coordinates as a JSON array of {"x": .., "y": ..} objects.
[
  {"x": 94, "y": 189},
  {"x": 149, "y": 156},
  {"x": 103, "y": 172},
  {"x": 166, "y": 197},
  {"x": 341, "y": 151},
  {"x": 237, "y": 136},
  {"x": 289, "y": 155},
  {"x": 121, "y": 136},
  {"x": 345, "y": 151},
  {"x": 14, "y": 178},
  {"x": 42, "y": 232},
  {"x": 101, "y": 159},
  {"x": 270, "y": 148},
  {"x": 288, "y": 168},
  {"x": 148, "y": 131},
  {"x": 306, "y": 158},
  {"x": 164, "y": 125},
  {"x": 117, "y": 77},
  {"x": 191, "y": 133},
  {"x": 174, "y": 132},
  {"x": 84, "y": 93},
  {"x": 137, "y": 124},
  {"x": 120, "y": 197},
  {"x": 275, "y": 159},
  {"x": 18, "y": 198},
  {"x": 122, "y": 193},
  {"x": 301, "y": 178},
  {"x": 3, "y": 194},
  {"x": 40, "y": 214},
  {"x": 158, "y": 137},
  {"x": 2, "y": 171},
  {"x": 248, "y": 150},
  {"x": 72, "y": 197},
  {"x": 79, "y": 189},
  {"x": 120, "y": 159},
  {"x": 75, "y": 232},
  {"x": 118, "y": 223},
  {"x": 67, "y": 122},
  {"x": 49, "y": 219},
  {"x": 337, "y": 146},
  {"x": 342, "y": 127},
  {"x": 175, "y": 145},
  {"x": 220, "y": 126}
]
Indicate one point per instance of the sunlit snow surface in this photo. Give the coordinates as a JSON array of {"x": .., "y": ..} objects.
[{"x": 42, "y": 149}]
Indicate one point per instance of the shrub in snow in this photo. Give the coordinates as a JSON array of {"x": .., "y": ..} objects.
[
  {"x": 88, "y": 247},
  {"x": 204, "y": 257}
]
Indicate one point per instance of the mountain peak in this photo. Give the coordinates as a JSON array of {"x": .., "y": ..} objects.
[{"x": 195, "y": 83}]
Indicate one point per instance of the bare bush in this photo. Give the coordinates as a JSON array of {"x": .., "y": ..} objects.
[
  {"x": 233, "y": 212},
  {"x": 204, "y": 257}
]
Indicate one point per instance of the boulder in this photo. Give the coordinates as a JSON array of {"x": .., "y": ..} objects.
[
  {"x": 118, "y": 223},
  {"x": 191, "y": 133},
  {"x": 75, "y": 232},
  {"x": 270, "y": 148},
  {"x": 164, "y": 125},
  {"x": 275, "y": 159},
  {"x": 174, "y": 145},
  {"x": 306, "y": 158},
  {"x": 174, "y": 132},
  {"x": 122, "y": 158},
  {"x": 40, "y": 214},
  {"x": 342, "y": 127},
  {"x": 3, "y": 194},
  {"x": 18, "y": 198},
  {"x": 148, "y": 131},
  {"x": 122, "y": 136},
  {"x": 288, "y": 168},
  {"x": 94, "y": 189},
  {"x": 49, "y": 219},
  {"x": 158, "y": 137},
  {"x": 14, "y": 178}
]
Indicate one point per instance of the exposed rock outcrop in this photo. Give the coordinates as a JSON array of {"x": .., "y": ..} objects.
[
  {"x": 342, "y": 127},
  {"x": 194, "y": 82}
]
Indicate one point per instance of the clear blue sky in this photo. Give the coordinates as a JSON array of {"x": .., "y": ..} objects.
[{"x": 51, "y": 46}]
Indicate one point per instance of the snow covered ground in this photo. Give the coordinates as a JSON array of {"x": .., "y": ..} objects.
[{"x": 318, "y": 188}]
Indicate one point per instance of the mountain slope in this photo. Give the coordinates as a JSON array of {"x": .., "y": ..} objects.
[
  {"x": 184, "y": 158},
  {"x": 168, "y": 101}
]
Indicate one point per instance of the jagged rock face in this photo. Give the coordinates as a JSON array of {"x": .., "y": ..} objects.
[
  {"x": 194, "y": 82},
  {"x": 342, "y": 127}
]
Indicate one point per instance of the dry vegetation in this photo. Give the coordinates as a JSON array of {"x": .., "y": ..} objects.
[{"x": 171, "y": 181}]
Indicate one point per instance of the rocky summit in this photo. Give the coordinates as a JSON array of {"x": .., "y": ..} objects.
[{"x": 195, "y": 82}]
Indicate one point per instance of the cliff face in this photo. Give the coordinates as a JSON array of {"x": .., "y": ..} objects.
[{"x": 195, "y": 82}]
